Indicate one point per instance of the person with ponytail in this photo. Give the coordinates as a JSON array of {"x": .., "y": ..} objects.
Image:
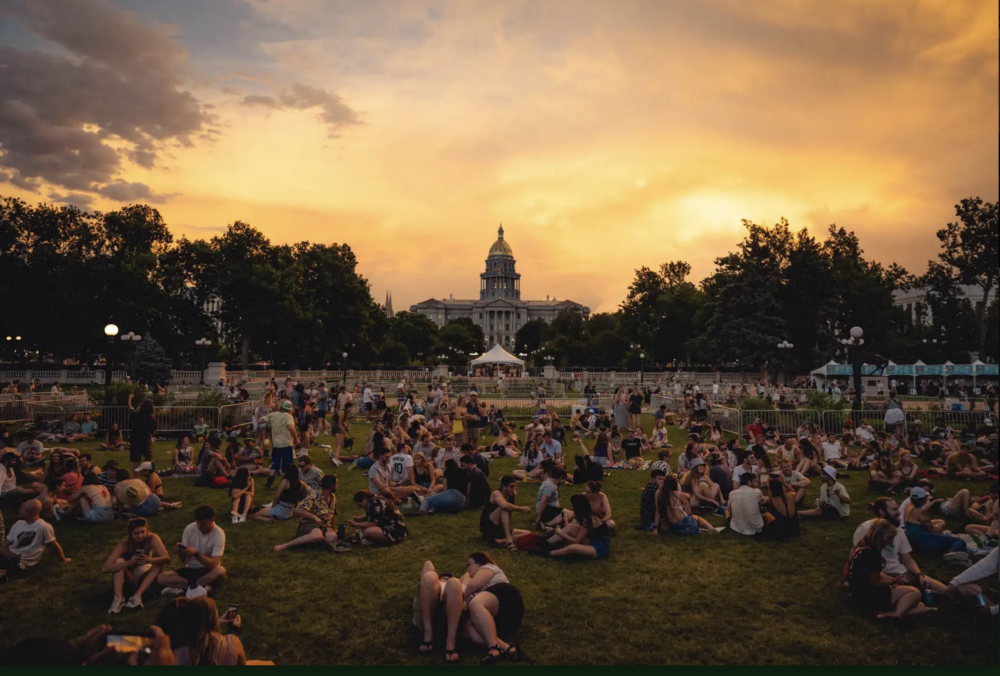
[{"x": 874, "y": 592}]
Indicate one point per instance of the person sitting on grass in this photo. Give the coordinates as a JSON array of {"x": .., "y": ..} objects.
[
  {"x": 833, "y": 452},
  {"x": 586, "y": 534},
  {"x": 196, "y": 637},
  {"x": 494, "y": 521},
  {"x": 424, "y": 473},
  {"x": 26, "y": 542},
  {"x": 113, "y": 439},
  {"x": 290, "y": 492},
  {"x": 241, "y": 492},
  {"x": 867, "y": 457},
  {"x": 703, "y": 493},
  {"x": 658, "y": 438},
  {"x": 834, "y": 501},
  {"x": 200, "y": 430},
  {"x": 381, "y": 524},
  {"x": 964, "y": 466},
  {"x": 32, "y": 453},
  {"x": 213, "y": 469},
  {"x": 147, "y": 472},
  {"x": 453, "y": 498},
  {"x": 743, "y": 513},
  {"x": 748, "y": 465},
  {"x": 927, "y": 535},
  {"x": 647, "y": 502},
  {"x": 251, "y": 458},
  {"x": 673, "y": 513},
  {"x": 133, "y": 495},
  {"x": 310, "y": 474},
  {"x": 12, "y": 495},
  {"x": 531, "y": 460},
  {"x": 201, "y": 548},
  {"x": 663, "y": 462},
  {"x": 873, "y": 592},
  {"x": 135, "y": 563},
  {"x": 479, "y": 490},
  {"x": 810, "y": 463},
  {"x": 781, "y": 520},
  {"x": 795, "y": 482},
  {"x": 493, "y": 607},
  {"x": 884, "y": 475},
  {"x": 91, "y": 500},
  {"x": 184, "y": 457},
  {"x": 548, "y": 513},
  {"x": 788, "y": 451},
  {"x": 316, "y": 514},
  {"x": 898, "y": 555},
  {"x": 989, "y": 507},
  {"x": 988, "y": 568},
  {"x": 71, "y": 431},
  {"x": 908, "y": 472}
]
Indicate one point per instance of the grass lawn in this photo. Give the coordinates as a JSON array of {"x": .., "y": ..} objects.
[{"x": 656, "y": 600}]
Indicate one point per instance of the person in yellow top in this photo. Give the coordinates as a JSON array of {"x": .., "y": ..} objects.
[
  {"x": 963, "y": 465},
  {"x": 284, "y": 437}
]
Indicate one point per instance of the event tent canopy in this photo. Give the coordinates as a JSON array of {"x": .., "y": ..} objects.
[
  {"x": 911, "y": 370},
  {"x": 497, "y": 355}
]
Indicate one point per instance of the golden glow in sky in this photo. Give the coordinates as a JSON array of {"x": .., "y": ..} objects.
[{"x": 603, "y": 135}]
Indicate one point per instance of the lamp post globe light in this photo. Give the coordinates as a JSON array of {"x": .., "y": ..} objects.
[
  {"x": 853, "y": 345},
  {"x": 344, "y": 357},
  {"x": 110, "y": 331},
  {"x": 642, "y": 356},
  {"x": 201, "y": 345}
]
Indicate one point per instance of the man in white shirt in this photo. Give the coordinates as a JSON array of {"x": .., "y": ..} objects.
[
  {"x": 24, "y": 545},
  {"x": 401, "y": 466},
  {"x": 833, "y": 452},
  {"x": 367, "y": 403},
  {"x": 834, "y": 501},
  {"x": 380, "y": 475},
  {"x": 748, "y": 466},
  {"x": 865, "y": 432},
  {"x": 201, "y": 548},
  {"x": 743, "y": 511}
]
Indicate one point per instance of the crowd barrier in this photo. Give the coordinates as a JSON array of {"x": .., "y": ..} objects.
[{"x": 833, "y": 421}]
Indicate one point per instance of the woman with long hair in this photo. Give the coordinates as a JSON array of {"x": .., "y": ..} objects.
[
  {"x": 290, "y": 492},
  {"x": 673, "y": 513},
  {"x": 658, "y": 437},
  {"x": 810, "y": 458},
  {"x": 184, "y": 457},
  {"x": 531, "y": 462},
  {"x": 703, "y": 491},
  {"x": 781, "y": 520},
  {"x": 241, "y": 492},
  {"x": 424, "y": 474},
  {"x": 113, "y": 439},
  {"x": 873, "y": 592},
  {"x": 196, "y": 636},
  {"x": 586, "y": 535}
]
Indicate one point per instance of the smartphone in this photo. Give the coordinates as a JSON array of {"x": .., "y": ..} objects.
[
  {"x": 233, "y": 611},
  {"x": 131, "y": 643}
]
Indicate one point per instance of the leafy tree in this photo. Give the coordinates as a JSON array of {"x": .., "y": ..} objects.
[
  {"x": 151, "y": 362},
  {"x": 970, "y": 255},
  {"x": 992, "y": 349},
  {"x": 393, "y": 353},
  {"x": 417, "y": 332},
  {"x": 659, "y": 312},
  {"x": 531, "y": 335},
  {"x": 461, "y": 334}
]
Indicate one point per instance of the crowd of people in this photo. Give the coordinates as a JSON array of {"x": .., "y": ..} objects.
[{"x": 426, "y": 457}]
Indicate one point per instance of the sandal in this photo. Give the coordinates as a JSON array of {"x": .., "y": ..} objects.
[
  {"x": 511, "y": 546},
  {"x": 426, "y": 647},
  {"x": 513, "y": 653},
  {"x": 448, "y": 655},
  {"x": 492, "y": 658}
]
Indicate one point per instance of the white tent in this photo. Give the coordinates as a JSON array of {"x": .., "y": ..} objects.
[{"x": 497, "y": 355}]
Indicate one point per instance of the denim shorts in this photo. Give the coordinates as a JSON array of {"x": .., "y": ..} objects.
[
  {"x": 281, "y": 511},
  {"x": 97, "y": 514},
  {"x": 148, "y": 507}
]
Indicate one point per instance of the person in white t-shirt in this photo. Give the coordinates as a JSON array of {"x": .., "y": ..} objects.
[
  {"x": 743, "y": 512},
  {"x": 401, "y": 467},
  {"x": 201, "y": 548},
  {"x": 833, "y": 452},
  {"x": 794, "y": 480},
  {"x": 834, "y": 501},
  {"x": 748, "y": 466},
  {"x": 26, "y": 542},
  {"x": 367, "y": 403},
  {"x": 898, "y": 556}
]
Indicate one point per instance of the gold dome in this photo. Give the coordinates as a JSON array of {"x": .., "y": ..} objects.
[{"x": 500, "y": 247}]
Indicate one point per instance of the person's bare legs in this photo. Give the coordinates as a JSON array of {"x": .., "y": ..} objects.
[
  {"x": 315, "y": 536},
  {"x": 430, "y": 596},
  {"x": 905, "y": 601},
  {"x": 482, "y": 627},
  {"x": 576, "y": 550},
  {"x": 960, "y": 504},
  {"x": 148, "y": 578},
  {"x": 118, "y": 579},
  {"x": 454, "y": 605}
]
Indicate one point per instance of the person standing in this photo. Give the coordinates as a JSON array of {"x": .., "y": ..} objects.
[
  {"x": 284, "y": 437},
  {"x": 141, "y": 437}
]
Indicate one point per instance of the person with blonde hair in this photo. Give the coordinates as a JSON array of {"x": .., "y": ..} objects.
[
  {"x": 873, "y": 592},
  {"x": 195, "y": 632}
]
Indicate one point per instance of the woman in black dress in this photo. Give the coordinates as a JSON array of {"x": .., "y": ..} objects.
[
  {"x": 873, "y": 592},
  {"x": 142, "y": 429}
]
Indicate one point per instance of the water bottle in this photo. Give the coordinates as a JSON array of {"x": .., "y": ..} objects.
[{"x": 930, "y": 598}]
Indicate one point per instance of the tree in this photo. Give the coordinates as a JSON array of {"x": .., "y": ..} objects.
[
  {"x": 417, "y": 332},
  {"x": 151, "y": 362},
  {"x": 992, "y": 349},
  {"x": 531, "y": 335},
  {"x": 462, "y": 334},
  {"x": 970, "y": 254},
  {"x": 659, "y": 312},
  {"x": 393, "y": 353}
]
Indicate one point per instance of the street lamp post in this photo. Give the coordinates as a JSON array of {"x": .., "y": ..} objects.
[
  {"x": 853, "y": 344},
  {"x": 132, "y": 339},
  {"x": 110, "y": 331},
  {"x": 344, "y": 357},
  {"x": 16, "y": 340},
  {"x": 202, "y": 344},
  {"x": 642, "y": 356}
]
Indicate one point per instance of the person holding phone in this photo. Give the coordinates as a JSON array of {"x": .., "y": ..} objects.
[
  {"x": 201, "y": 547},
  {"x": 136, "y": 561}
]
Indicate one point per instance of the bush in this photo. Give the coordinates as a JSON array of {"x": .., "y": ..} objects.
[
  {"x": 755, "y": 404},
  {"x": 210, "y": 398},
  {"x": 821, "y": 401},
  {"x": 120, "y": 390}
]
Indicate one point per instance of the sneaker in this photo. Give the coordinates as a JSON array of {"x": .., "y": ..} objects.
[
  {"x": 57, "y": 513},
  {"x": 956, "y": 556},
  {"x": 116, "y": 605},
  {"x": 196, "y": 592},
  {"x": 234, "y": 518},
  {"x": 336, "y": 462},
  {"x": 170, "y": 592},
  {"x": 242, "y": 518},
  {"x": 178, "y": 505},
  {"x": 134, "y": 602}
]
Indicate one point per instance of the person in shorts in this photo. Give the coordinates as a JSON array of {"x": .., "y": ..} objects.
[
  {"x": 134, "y": 564},
  {"x": 834, "y": 502},
  {"x": 201, "y": 548},
  {"x": 134, "y": 495},
  {"x": 475, "y": 417},
  {"x": 284, "y": 436}
]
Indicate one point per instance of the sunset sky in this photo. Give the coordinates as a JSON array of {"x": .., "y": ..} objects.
[{"x": 604, "y": 135}]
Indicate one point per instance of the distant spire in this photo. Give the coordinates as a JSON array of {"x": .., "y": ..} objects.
[
  {"x": 500, "y": 232},
  {"x": 388, "y": 306}
]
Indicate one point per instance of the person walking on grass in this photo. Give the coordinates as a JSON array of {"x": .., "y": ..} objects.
[{"x": 284, "y": 437}]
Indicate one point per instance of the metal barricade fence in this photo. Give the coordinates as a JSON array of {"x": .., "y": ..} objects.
[
  {"x": 237, "y": 415},
  {"x": 784, "y": 422},
  {"x": 728, "y": 417},
  {"x": 834, "y": 421}
]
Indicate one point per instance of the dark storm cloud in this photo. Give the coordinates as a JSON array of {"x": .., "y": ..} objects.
[
  {"x": 74, "y": 199},
  {"x": 333, "y": 112},
  {"x": 119, "y": 83},
  {"x": 123, "y": 191}
]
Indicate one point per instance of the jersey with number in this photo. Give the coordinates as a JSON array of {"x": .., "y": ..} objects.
[{"x": 400, "y": 465}]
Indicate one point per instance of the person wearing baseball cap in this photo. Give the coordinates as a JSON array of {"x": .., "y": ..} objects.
[
  {"x": 284, "y": 437},
  {"x": 926, "y": 535},
  {"x": 834, "y": 502},
  {"x": 134, "y": 494}
]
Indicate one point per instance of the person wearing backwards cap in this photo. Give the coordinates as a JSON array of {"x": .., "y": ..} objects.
[
  {"x": 135, "y": 495},
  {"x": 834, "y": 502},
  {"x": 284, "y": 437},
  {"x": 926, "y": 535},
  {"x": 147, "y": 472}
]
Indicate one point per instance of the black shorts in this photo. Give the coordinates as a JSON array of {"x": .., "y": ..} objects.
[
  {"x": 380, "y": 406},
  {"x": 192, "y": 575},
  {"x": 368, "y": 406},
  {"x": 511, "y": 608},
  {"x": 830, "y": 513},
  {"x": 550, "y": 512},
  {"x": 879, "y": 601}
]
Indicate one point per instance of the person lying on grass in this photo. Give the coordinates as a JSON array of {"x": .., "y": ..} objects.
[
  {"x": 494, "y": 521},
  {"x": 834, "y": 502},
  {"x": 874, "y": 592},
  {"x": 898, "y": 555},
  {"x": 484, "y": 595},
  {"x": 673, "y": 512},
  {"x": 134, "y": 564},
  {"x": 381, "y": 522},
  {"x": 316, "y": 514},
  {"x": 201, "y": 548},
  {"x": 927, "y": 535},
  {"x": 147, "y": 472},
  {"x": 455, "y": 494}
]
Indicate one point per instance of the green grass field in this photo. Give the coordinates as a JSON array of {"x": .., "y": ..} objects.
[{"x": 657, "y": 600}]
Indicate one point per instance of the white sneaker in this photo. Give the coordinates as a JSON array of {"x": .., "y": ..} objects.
[
  {"x": 240, "y": 518},
  {"x": 234, "y": 518},
  {"x": 116, "y": 605},
  {"x": 956, "y": 556},
  {"x": 196, "y": 592},
  {"x": 336, "y": 462},
  {"x": 169, "y": 592},
  {"x": 134, "y": 602},
  {"x": 57, "y": 513}
]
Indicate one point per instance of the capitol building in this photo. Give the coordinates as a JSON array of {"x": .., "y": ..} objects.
[{"x": 500, "y": 312}]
